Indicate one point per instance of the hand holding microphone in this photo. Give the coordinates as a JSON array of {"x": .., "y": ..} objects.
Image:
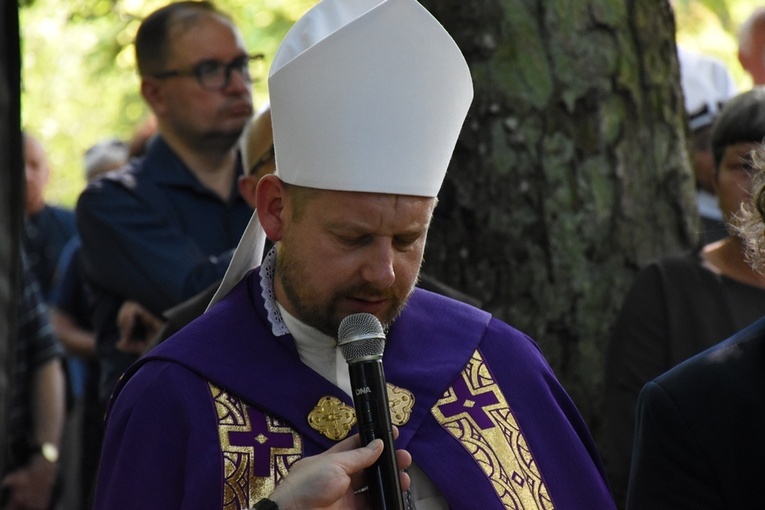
[
  {"x": 362, "y": 341},
  {"x": 328, "y": 480}
]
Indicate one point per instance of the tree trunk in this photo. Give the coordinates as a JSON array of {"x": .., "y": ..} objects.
[
  {"x": 571, "y": 172},
  {"x": 12, "y": 201}
]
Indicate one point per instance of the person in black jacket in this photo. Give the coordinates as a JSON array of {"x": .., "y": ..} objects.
[{"x": 698, "y": 439}]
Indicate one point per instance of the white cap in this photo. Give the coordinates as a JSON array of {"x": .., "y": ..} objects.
[
  {"x": 707, "y": 85},
  {"x": 366, "y": 95}
]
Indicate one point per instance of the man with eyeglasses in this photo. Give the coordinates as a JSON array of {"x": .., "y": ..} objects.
[
  {"x": 368, "y": 98},
  {"x": 164, "y": 228}
]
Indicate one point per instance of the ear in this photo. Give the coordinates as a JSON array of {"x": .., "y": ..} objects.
[
  {"x": 151, "y": 90},
  {"x": 271, "y": 197},
  {"x": 248, "y": 185}
]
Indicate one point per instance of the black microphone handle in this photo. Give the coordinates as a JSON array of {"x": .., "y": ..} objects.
[{"x": 370, "y": 398}]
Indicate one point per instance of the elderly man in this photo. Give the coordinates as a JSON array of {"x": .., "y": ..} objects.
[
  {"x": 367, "y": 100},
  {"x": 47, "y": 228}
]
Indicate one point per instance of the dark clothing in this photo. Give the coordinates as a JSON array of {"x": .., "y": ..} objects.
[
  {"x": 70, "y": 293},
  {"x": 152, "y": 233},
  {"x": 712, "y": 230},
  {"x": 45, "y": 235},
  {"x": 429, "y": 283},
  {"x": 676, "y": 308},
  {"x": 699, "y": 438},
  {"x": 35, "y": 346},
  {"x": 72, "y": 296},
  {"x": 178, "y": 316}
]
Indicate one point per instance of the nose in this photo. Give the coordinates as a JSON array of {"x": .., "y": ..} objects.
[{"x": 379, "y": 265}]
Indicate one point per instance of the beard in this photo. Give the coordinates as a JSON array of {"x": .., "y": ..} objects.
[
  {"x": 323, "y": 312},
  {"x": 218, "y": 139}
]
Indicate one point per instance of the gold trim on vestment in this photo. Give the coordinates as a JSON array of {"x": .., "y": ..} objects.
[
  {"x": 258, "y": 450},
  {"x": 334, "y": 419},
  {"x": 401, "y": 403},
  {"x": 243, "y": 483},
  {"x": 487, "y": 428}
]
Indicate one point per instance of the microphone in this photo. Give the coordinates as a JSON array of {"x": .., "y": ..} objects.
[{"x": 361, "y": 340}]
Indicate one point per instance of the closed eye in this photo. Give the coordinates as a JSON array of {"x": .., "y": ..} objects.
[
  {"x": 404, "y": 243},
  {"x": 354, "y": 240}
]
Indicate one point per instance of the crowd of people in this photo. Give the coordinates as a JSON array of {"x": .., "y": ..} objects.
[{"x": 178, "y": 331}]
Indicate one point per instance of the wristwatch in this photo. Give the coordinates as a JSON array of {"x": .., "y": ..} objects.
[
  {"x": 265, "y": 504},
  {"x": 48, "y": 450}
]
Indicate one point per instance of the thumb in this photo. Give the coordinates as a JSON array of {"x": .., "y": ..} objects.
[{"x": 355, "y": 460}]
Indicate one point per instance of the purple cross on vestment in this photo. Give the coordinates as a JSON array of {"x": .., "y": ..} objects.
[
  {"x": 262, "y": 440},
  {"x": 470, "y": 403}
]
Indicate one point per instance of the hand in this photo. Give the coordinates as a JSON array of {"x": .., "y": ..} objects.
[
  {"x": 30, "y": 487},
  {"x": 328, "y": 480},
  {"x": 138, "y": 327}
]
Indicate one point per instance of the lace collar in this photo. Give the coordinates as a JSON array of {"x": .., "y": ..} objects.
[{"x": 278, "y": 326}]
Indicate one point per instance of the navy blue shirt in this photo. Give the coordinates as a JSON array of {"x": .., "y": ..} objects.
[
  {"x": 71, "y": 296},
  {"x": 70, "y": 293},
  {"x": 45, "y": 234},
  {"x": 153, "y": 233}
]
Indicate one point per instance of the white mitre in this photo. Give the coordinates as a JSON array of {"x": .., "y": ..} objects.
[{"x": 366, "y": 95}]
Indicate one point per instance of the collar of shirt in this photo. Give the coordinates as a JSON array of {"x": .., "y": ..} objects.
[
  {"x": 319, "y": 352},
  {"x": 167, "y": 169},
  {"x": 316, "y": 350}
]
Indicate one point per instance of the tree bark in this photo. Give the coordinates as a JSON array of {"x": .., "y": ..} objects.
[
  {"x": 571, "y": 172},
  {"x": 12, "y": 200}
]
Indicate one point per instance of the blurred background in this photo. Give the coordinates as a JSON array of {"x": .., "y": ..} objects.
[
  {"x": 79, "y": 80},
  {"x": 80, "y": 86}
]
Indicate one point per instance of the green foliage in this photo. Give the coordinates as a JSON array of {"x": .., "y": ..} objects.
[
  {"x": 80, "y": 84},
  {"x": 711, "y": 26},
  {"x": 79, "y": 80},
  {"x": 717, "y": 7}
]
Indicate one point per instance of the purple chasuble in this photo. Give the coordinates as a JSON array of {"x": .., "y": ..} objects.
[{"x": 490, "y": 424}]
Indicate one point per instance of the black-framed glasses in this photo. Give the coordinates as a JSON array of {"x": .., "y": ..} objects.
[{"x": 216, "y": 75}]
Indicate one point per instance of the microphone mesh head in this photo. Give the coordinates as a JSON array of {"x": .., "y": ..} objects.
[{"x": 361, "y": 336}]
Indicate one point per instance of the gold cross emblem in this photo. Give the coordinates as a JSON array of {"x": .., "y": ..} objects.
[{"x": 334, "y": 419}]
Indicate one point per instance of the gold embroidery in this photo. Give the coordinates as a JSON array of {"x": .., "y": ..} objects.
[
  {"x": 257, "y": 449},
  {"x": 475, "y": 412},
  {"x": 332, "y": 418},
  {"x": 401, "y": 403}
]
